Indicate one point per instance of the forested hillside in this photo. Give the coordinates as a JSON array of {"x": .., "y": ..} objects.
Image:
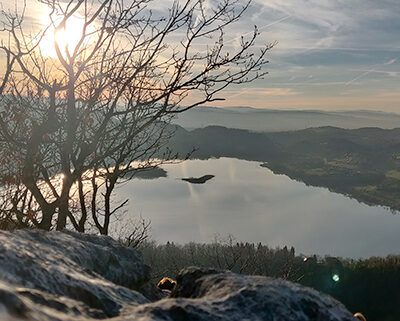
[{"x": 361, "y": 163}]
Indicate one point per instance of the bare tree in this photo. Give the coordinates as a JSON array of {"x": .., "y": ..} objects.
[
  {"x": 224, "y": 254},
  {"x": 135, "y": 234},
  {"x": 99, "y": 109}
]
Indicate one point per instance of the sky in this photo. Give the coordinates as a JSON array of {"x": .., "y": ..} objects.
[{"x": 330, "y": 54}]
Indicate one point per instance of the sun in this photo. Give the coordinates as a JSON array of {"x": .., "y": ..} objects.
[{"x": 67, "y": 37}]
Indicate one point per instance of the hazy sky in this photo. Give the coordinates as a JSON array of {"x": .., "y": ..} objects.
[{"x": 331, "y": 54}]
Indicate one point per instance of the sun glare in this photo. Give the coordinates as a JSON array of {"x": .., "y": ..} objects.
[{"x": 67, "y": 37}]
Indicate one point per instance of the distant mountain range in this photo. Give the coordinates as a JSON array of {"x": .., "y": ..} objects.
[{"x": 268, "y": 120}]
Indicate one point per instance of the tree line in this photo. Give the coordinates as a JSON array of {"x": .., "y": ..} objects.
[{"x": 368, "y": 285}]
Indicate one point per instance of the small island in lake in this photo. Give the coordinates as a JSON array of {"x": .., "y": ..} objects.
[
  {"x": 149, "y": 173},
  {"x": 198, "y": 180}
]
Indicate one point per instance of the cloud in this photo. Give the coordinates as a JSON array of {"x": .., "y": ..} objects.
[
  {"x": 391, "y": 61},
  {"x": 383, "y": 72},
  {"x": 322, "y": 24},
  {"x": 323, "y": 45},
  {"x": 259, "y": 92}
]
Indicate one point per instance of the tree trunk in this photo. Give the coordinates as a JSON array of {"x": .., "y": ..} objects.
[
  {"x": 62, "y": 215},
  {"x": 48, "y": 213}
]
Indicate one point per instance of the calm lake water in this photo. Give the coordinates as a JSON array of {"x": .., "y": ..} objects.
[{"x": 252, "y": 204}]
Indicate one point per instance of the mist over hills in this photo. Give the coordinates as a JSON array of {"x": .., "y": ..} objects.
[{"x": 268, "y": 120}]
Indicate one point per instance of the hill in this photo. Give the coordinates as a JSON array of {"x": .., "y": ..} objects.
[
  {"x": 360, "y": 163},
  {"x": 266, "y": 120}
]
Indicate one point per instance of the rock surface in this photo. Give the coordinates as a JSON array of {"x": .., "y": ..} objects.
[
  {"x": 75, "y": 274},
  {"x": 212, "y": 295},
  {"x": 68, "y": 276}
]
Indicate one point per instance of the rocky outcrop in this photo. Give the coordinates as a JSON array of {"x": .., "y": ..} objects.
[
  {"x": 68, "y": 276},
  {"x": 71, "y": 273},
  {"x": 212, "y": 295}
]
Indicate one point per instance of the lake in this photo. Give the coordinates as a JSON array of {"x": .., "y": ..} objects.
[{"x": 253, "y": 204}]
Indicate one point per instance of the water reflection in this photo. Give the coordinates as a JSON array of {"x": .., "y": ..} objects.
[{"x": 255, "y": 205}]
